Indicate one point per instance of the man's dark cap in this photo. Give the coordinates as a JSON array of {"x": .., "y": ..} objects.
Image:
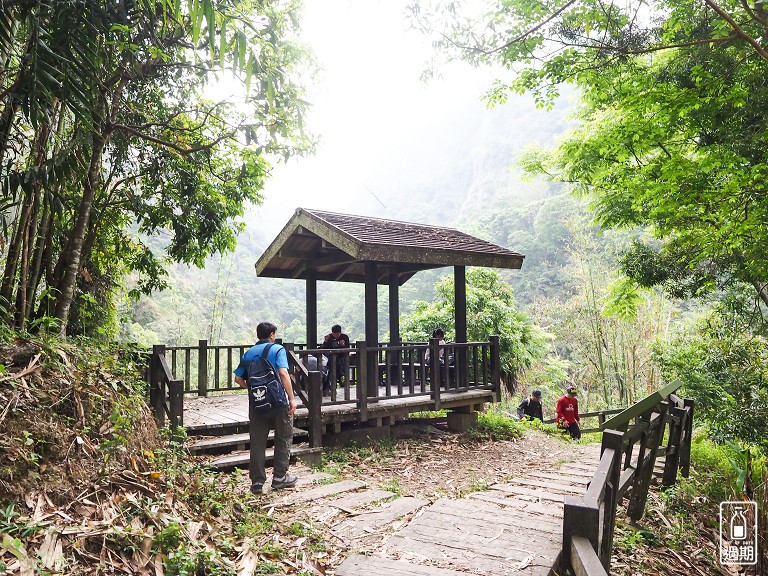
[{"x": 536, "y": 393}]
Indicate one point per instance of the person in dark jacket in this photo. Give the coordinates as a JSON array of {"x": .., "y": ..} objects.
[
  {"x": 335, "y": 341},
  {"x": 531, "y": 407}
]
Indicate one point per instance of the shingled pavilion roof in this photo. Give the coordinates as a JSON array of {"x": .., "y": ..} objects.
[{"x": 335, "y": 247}]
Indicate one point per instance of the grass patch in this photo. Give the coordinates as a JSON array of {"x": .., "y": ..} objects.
[
  {"x": 494, "y": 425},
  {"x": 339, "y": 461},
  {"x": 429, "y": 414},
  {"x": 392, "y": 485}
]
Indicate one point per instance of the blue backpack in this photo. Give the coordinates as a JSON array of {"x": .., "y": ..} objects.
[{"x": 265, "y": 390}]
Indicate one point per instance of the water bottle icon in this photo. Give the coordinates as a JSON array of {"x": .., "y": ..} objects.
[{"x": 738, "y": 524}]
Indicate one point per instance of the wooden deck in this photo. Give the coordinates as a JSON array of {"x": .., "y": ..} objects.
[{"x": 229, "y": 412}]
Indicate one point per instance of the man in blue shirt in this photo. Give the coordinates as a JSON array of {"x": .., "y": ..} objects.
[{"x": 279, "y": 420}]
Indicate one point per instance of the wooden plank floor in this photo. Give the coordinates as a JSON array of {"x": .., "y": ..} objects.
[{"x": 231, "y": 410}]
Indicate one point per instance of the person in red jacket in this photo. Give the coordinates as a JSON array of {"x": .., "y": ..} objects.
[{"x": 568, "y": 413}]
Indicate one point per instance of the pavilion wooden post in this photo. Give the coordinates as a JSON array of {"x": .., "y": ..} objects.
[
  {"x": 202, "y": 368},
  {"x": 311, "y": 309},
  {"x": 371, "y": 328},
  {"x": 434, "y": 370},
  {"x": 460, "y": 311},
  {"x": 394, "y": 358},
  {"x": 394, "y": 306}
]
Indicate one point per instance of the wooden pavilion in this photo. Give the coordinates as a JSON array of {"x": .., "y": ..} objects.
[
  {"x": 316, "y": 245},
  {"x": 378, "y": 381}
]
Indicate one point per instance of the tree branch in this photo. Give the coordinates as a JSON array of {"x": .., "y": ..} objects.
[
  {"x": 527, "y": 32},
  {"x": 738, "y": 29},
  {"x": 171, "y": 145},
  {"x": 650, "y": 49},
  {"x": 762, "y": 290}
]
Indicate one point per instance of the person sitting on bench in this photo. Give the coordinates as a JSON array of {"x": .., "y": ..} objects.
[{"x": 334, "y": 341}]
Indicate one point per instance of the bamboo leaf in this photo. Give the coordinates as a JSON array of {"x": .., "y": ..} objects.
[
  {"x": 222, "y": 43},
  {"x": 270, "y": 91},
  {"x": 210, "y": 17}
]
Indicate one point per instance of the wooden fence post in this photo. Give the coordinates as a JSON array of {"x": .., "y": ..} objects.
[
  {"x": 612, "y": 440},
  {"x": 156, "y": 387},
  {"x": 202, "y": 368},
  {"x": 362, "y": 379},
  {"x": 176, "y": 401},
  {"x": 315, "y": 397},
  {"x": 673, "y": 447},
  {"x": 646, "y": 458},
  {"x": 685, "y": 449},
  {"x": 496, "y": 366},
  {"x": 579, "y": 519},
  {"x": 434, "y": 370}
]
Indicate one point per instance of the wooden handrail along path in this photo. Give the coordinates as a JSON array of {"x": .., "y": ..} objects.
[
  {"x": 166, "y": 393},
  {"x": 628, "y": 455}
]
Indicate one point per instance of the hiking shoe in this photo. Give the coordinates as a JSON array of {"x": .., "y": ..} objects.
[
  {"x": 286, "y": 481},
  {"x": 257, "y": 489}
]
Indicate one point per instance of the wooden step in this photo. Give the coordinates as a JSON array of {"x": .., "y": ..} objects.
[
  {"x": 220, "y": 444},
  {"x": 241, "y": 459}
]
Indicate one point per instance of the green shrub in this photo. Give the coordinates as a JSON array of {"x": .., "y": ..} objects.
[{"x": 493, "y": 425}]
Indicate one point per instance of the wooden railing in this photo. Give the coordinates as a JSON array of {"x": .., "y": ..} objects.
[
  {"x": 365, "y": 374},
  {"x": 627, "y": 459},
  {"x": 308, "y": 387},
  {"x": 166, "y": 393},
  {"x": 401, "y": 369}
]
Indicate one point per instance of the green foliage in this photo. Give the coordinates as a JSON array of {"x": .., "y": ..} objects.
[
  {"x": 168, "y": 538},
  {"x": 392, "y": 485},
  {"x": 724, "y": 369},
  {"x": 671, "y": 139},
  {"x": 491, "y": 311},
  {"x": 108, "y": 139},
  {"x": 494, "y": 425},
  {"x": 605, "y": 327},
  {"x": 627, "y": 538},
  {"x": 14, "y": 524},
  {"x": 622, "y": 299}
]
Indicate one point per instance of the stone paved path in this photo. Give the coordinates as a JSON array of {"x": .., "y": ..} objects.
[{"x": 511, "y": 528}]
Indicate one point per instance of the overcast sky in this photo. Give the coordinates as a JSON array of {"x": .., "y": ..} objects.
[{"x": 368, "y": 108}]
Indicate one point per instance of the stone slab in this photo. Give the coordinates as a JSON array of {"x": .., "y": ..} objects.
[
  {"x": 359, "y": 499},
  {"x": 322, "y": 491},
  {"x": 357, "y": 565},
  {"x": 374, "y": 520}
]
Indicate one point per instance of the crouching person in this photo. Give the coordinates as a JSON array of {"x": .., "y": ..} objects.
[{"x": 568, "y": 413}]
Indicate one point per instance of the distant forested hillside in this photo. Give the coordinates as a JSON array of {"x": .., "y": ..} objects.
[{"x": 459, "y": 173}]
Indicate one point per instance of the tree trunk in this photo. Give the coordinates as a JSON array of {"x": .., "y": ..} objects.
[
  {"x": 12, "y": 259},
  {"x": 44, "y": 239},
  {"x": 70, "y": 257},
  {"x": 762, "y": 290}
]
